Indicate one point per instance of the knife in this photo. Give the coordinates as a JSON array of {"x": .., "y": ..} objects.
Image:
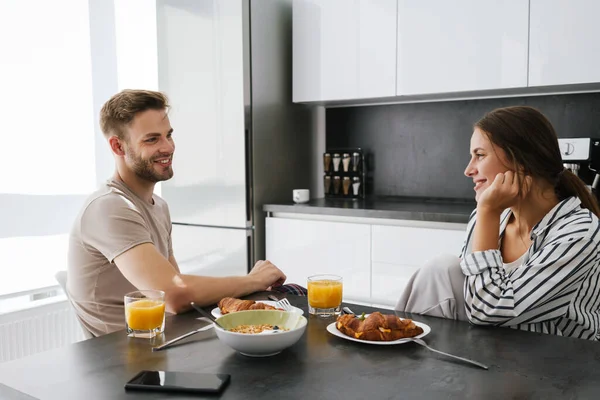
[
  {"x": 206, "y": 314},
  {"x": 178, "y": 338}
]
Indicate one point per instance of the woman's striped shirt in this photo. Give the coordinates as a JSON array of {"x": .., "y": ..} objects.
[{"x": 556, "y": 290}]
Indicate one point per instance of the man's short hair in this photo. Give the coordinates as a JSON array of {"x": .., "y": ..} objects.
[{"x": 120, "y": 110}]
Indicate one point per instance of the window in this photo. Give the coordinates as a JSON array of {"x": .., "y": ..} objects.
[{"x": 57, "y": 68}]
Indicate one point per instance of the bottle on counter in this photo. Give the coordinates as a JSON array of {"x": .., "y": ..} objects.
[
  {"x": 337, "y": 182},
  {"x": 346, "y": 185},
  {"x": 326, "y": 162},
  {"x": 346, "y": 161},
  {"x": 336, "y": 162},
  {"x": 355, "y": 161},
  {"x": 356, "y": 185},
  {"x": 327, "y": 183}
]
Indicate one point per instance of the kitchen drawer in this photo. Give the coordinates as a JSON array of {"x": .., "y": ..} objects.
[{"x": 411, "y": 245}]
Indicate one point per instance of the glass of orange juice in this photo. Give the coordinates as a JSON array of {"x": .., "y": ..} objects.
[
  {"x": 324, "y": 295},
  {"x": 145, "y": 313}
]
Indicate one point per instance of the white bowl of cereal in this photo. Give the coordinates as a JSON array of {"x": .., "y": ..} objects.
[{"x": 260, "y": 333}]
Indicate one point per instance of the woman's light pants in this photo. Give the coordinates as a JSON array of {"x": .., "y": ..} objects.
[{"x": 436, "y": 289}]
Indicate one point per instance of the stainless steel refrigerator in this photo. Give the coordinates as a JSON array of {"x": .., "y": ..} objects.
[{"x": 240, "y": 141}]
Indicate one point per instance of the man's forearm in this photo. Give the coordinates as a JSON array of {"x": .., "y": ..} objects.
[
  {"x": 487, "y": 230},
  {"x": 146, "y": 268},
  {"x": 206, "y": 290}
]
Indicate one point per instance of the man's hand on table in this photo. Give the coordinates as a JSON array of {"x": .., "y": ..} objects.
[{"x": 266, "y": 275}]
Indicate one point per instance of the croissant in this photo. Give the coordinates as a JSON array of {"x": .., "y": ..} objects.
[
  {"x": 229, "y": 304},
  {"x": 377, "y": 327}
]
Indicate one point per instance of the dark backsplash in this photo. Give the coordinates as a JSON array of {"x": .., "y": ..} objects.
[{"x": 422, "y": 149}]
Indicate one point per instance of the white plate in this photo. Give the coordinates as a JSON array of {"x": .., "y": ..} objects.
[
  {"x": 217, "y": 313},
  {"x": 331, "y": 328}
]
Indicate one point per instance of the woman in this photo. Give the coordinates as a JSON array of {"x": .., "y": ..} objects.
[{"x": 531, "y": 257}]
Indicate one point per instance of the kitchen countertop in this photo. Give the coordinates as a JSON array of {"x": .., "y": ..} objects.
[{"x": 402, "y": 208}]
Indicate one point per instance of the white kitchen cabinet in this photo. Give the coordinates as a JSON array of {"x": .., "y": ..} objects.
[
  {"x": 302, "y": 248},
  {"x": 343, "y": 49},
  {"x": 376, "y": 261},
  {"x": 398, "y": 251},
  {"x": 462, "y": 45},
  {"x": 388, "y": 281},
  {"x": 564, "y": 42},
  {"x": 414, "y": 245}
]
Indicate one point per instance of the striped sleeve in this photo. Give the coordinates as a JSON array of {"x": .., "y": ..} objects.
[
  {"x": 470, "y": 226},
  {"x": 540, "y": 290}
]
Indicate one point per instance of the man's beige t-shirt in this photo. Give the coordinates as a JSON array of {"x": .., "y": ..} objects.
[{"x": 112, "y": 221}]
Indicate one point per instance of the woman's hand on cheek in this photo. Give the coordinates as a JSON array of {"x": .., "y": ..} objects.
[{"x": 503, "y": 192}]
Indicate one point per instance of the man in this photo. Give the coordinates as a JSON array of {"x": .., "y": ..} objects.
[{"x": 121, "y": 239}]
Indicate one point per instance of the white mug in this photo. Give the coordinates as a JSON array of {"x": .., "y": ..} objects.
[{"x": 301, "y": 195}]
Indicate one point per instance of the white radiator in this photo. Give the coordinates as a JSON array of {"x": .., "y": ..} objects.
[{"x": 37, "y": 329}]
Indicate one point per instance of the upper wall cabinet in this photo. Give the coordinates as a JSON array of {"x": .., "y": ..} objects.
[
  {"x": 461, "y": 45},
  {"x": 344, "y": 49},
  {"x": 564, "y": 42}
]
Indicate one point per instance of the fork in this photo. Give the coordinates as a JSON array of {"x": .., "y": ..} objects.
[
  {"x": 283, "y": 303},
  {"x": 424, "y": 344}
]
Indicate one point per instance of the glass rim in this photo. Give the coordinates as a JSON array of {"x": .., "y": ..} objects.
[
  {"x": 325, "y": 277},
  {"x": 132, "y": 294}
]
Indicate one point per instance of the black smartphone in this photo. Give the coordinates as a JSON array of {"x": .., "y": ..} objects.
[{"x": 175, "y": 381}]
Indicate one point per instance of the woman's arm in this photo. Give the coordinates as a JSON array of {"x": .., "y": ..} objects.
[
  {"x": 468, "y": 234},
  {"x": 487, "y": 230},
  {"x": 541, "y": 289}
]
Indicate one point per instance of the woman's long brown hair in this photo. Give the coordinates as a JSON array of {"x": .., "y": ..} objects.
[{"x": 530, "y": 142}]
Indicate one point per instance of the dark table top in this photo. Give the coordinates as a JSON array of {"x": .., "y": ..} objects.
[
  {"x": 523, "y": 365},
  {"x": 403, "y": 208}
]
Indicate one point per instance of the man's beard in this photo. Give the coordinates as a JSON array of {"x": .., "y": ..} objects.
[{"x": 144, "y": 168}]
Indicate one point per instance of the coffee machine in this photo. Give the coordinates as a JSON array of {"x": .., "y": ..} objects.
[{"x": 582, "y": 157}]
